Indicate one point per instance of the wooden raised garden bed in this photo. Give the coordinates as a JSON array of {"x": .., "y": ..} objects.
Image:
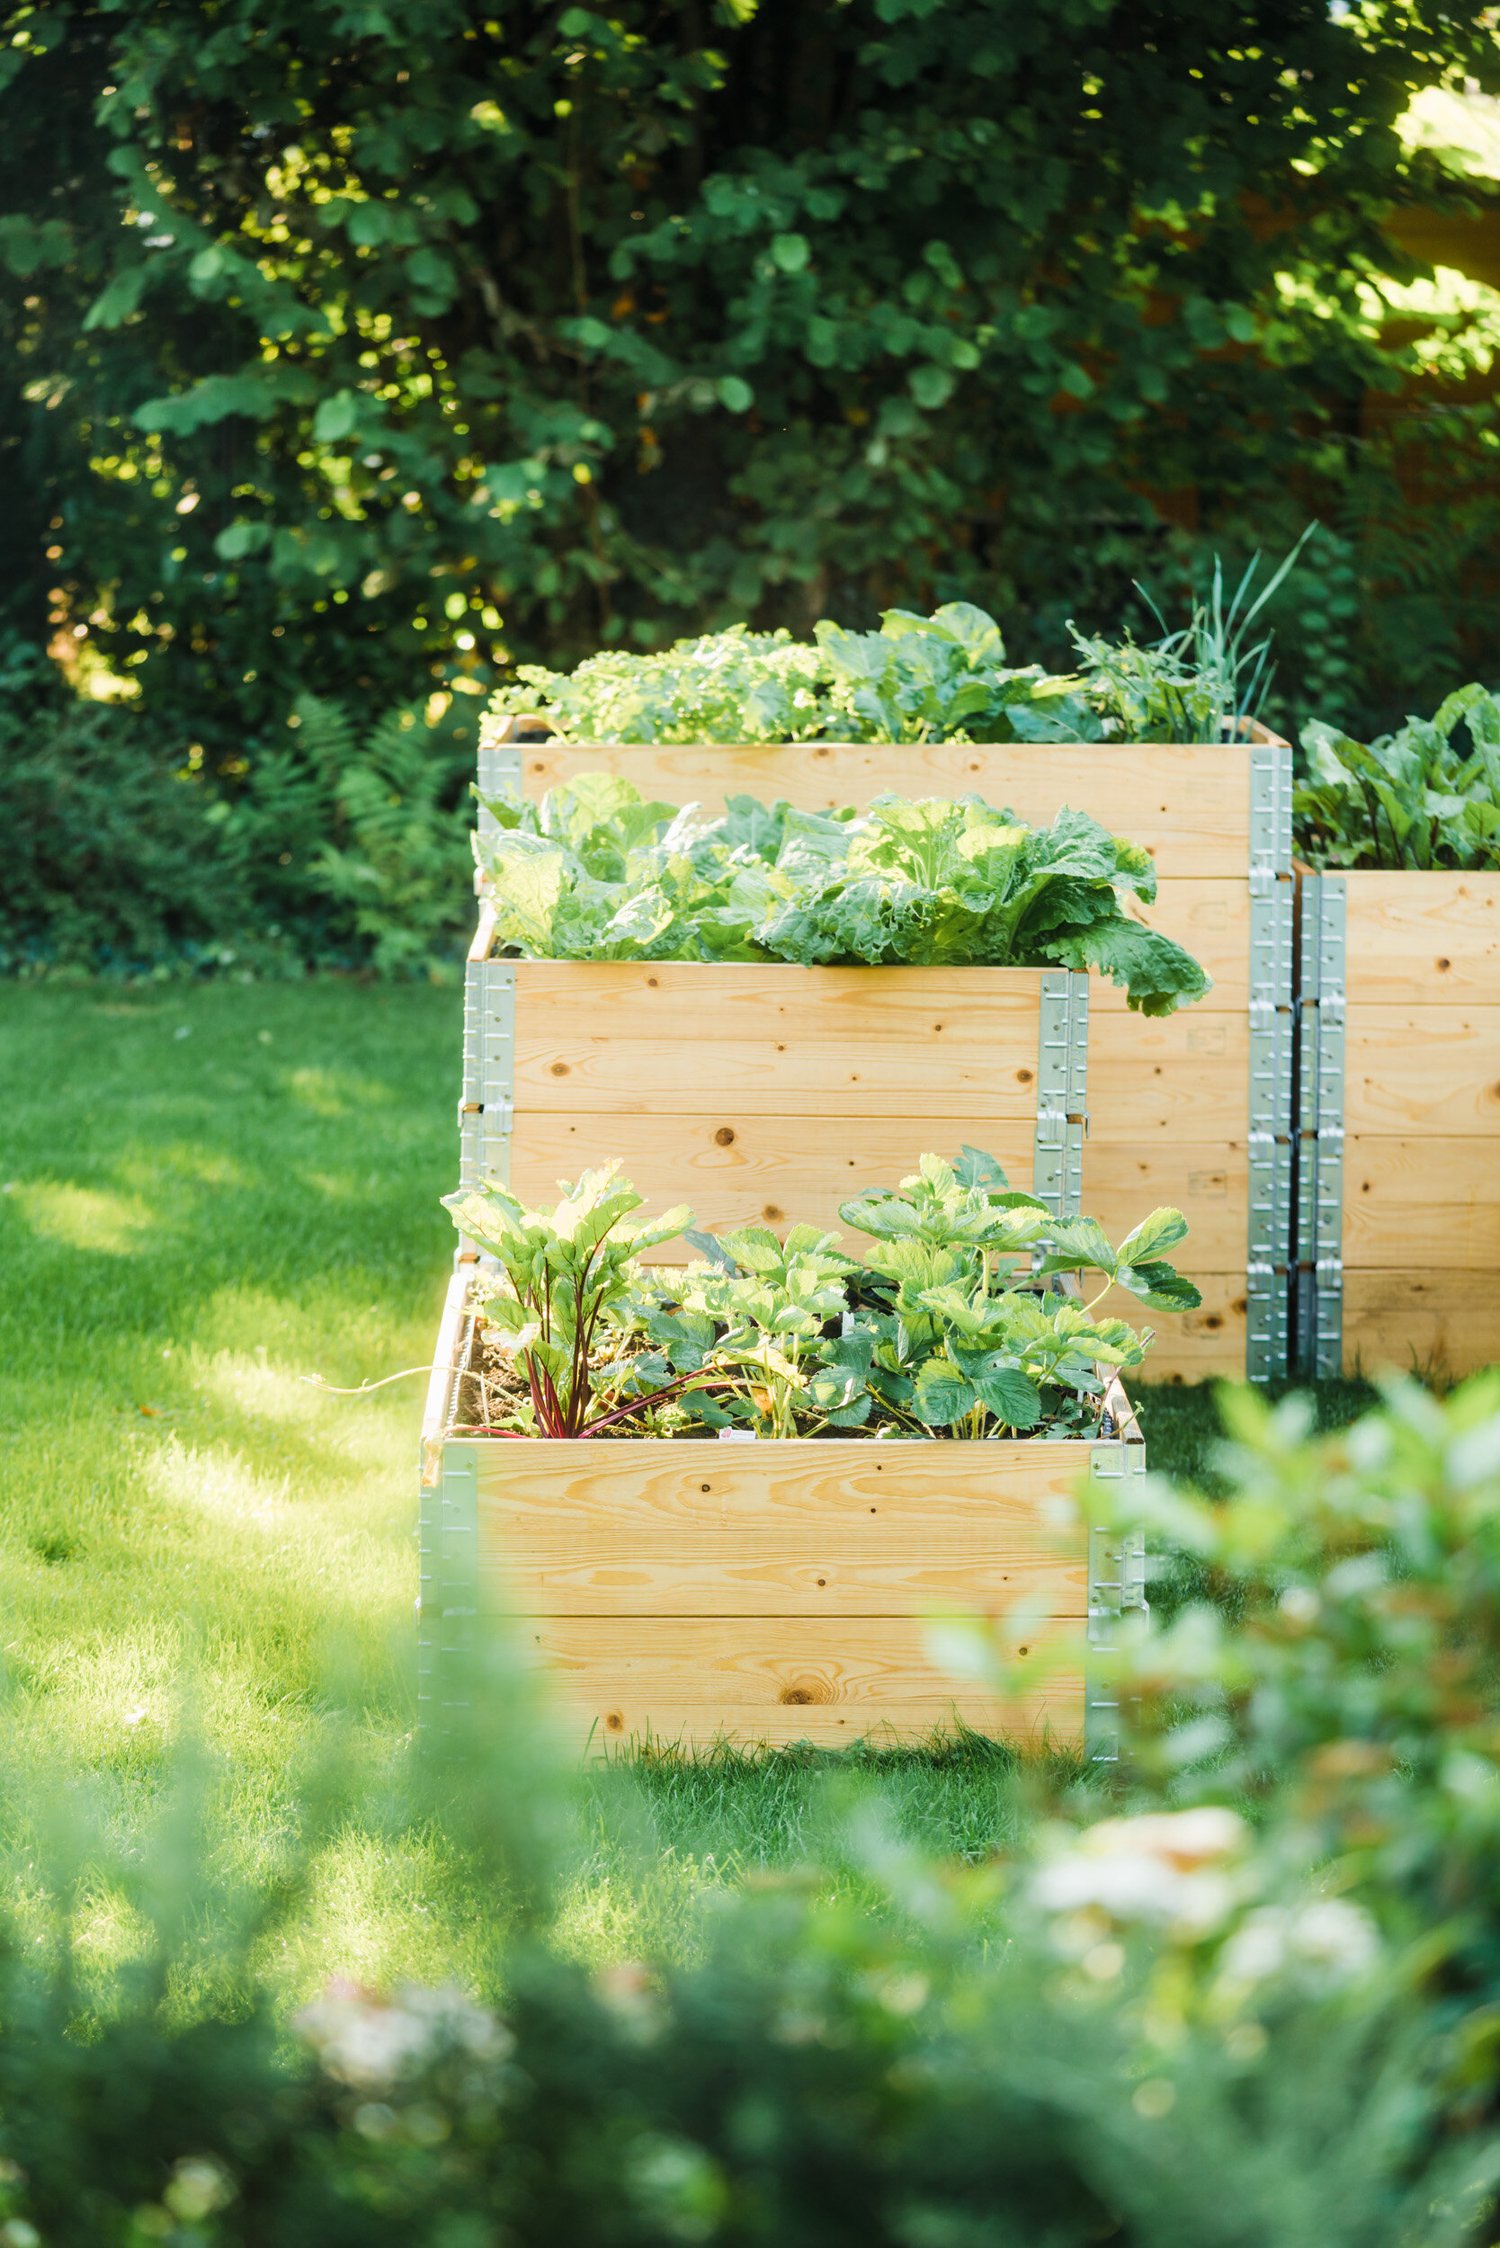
[
  {"x": 693, "y": 1591},
  {"x": 1194, "y": 1109},
  {"x": 1399, "y": 1105},
  {"x": 759, "y": 1094}
]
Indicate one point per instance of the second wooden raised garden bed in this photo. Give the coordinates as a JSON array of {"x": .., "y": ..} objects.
[{"x": 755, "y": 1093}]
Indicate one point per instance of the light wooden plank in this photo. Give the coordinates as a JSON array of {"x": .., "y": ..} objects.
[
  {"x": 780, "y": 1171},
  {"x": 1048, "y": 1720},
  {"x": 1411, "y": 1067},
  {"x": 1438, "y": 1324},
  {"x": 1195, "y": 1345},
  {"x": 1151, "y": 1080},
  {"x": 778, "y": 1679},
  {"x": 1208, "y": 1180},
  {"x": 735, "y": 1168},
  {"x": 833, "y": 1078},
  {"x": 1429, "y": 1192},
  {"x": 1188, "y": 803},
  {"x": 572, "y": 1001},
  {"x": 767, "y": 1663},
  {"x": 1177, "y": 1077},
  {"x": 1424, "y": 939},
  {"x": 802, "y": 1528}
]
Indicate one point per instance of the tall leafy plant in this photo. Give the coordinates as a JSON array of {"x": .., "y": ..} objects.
[{"x": 1415, "y": 798}]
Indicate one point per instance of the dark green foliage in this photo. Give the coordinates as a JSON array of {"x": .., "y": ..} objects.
[
  {"x": 339, "y": 844},
  {"x": 328, "y": 346}
]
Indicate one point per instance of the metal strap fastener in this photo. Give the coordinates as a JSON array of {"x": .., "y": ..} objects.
[
  {"x": 1062, "y": 1091},
  {"x": 486, "y": 1109},
  {"x": 1269, "y": 1247},
  {"x": 1320, "y": 1243},
  {"x": 449, "y": 1603},
  {"x": 499, "y": 779},
  {"x": 1117, "y": 1589}
]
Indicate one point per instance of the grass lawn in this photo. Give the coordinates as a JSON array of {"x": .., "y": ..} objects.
[{"x": 207, "y": 1195}]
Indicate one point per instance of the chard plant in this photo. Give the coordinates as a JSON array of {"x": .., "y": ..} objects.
[
  {"x": 1415, "y": 798},
  {"x": 593, "y": 872},
  {"x": 565, "y": 1279},
  {"x": 953, "y": 1321}
]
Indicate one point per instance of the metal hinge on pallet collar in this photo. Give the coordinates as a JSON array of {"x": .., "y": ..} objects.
[{"x": 1116, "y": 1589}]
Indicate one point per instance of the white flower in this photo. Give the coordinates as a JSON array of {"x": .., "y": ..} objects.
[
  {"x": 369, "y": 2040},
  {"x": 1326, "y": 1941},
  {"x": 1167, "y": 1869}
]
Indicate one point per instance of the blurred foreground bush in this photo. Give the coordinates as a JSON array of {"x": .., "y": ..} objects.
[{"x": 1188, "y": 2021}]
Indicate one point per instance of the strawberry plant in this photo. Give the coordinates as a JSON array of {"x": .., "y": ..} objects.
[{"x": 950, "y": 1323}]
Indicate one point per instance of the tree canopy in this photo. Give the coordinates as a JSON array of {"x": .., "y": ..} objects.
[{"x": 344, "y": 337}]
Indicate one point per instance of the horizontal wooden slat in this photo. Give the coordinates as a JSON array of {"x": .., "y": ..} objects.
[
  {"x": 1048, "y": 1720},
  {"x": 1436, "y": 1323},
  {"x": 1208, "y": 1180},
  {"x": 1195, "y": 1345},
  {"x": 577, "y": 1000},
  {"x": 1423, "y": 1066},
  {"x": 833, "y": 1078},
  {"x": 1423, "y": 939},
  {"x": 1188, "y": 805},
  {"x": 1148, "y": 1080},
  {"x": 766, "y": 1663},
  {"x": 735, "y": 1168},
  {"x": 788, "y": 1678},
  {"x": 1427, "y": 1196},
  {"x": 796, "y": 1529},
  {"x": 1167, "y": 1078}
]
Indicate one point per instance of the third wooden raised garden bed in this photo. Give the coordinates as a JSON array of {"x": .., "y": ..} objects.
[{"x": 1399, "y": 1104}]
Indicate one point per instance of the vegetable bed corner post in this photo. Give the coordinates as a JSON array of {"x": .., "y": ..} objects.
[
  {"x": 1117, "y": 1588},
  {"x": 486, "y": 1109},
  {"x": 1319, "y": 1338},
  {"x": 1272, "y": 899},
  {"x": 1062, "y": 1092}
]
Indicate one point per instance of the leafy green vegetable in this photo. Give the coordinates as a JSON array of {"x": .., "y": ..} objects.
[
  {"x": 1408, "y": 799},
  {"x": 946, "y": 1324},
  {"x": 593, "y": 873},
  {"x": 937, "y": 678}
]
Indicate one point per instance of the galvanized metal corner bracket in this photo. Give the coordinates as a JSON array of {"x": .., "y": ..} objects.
[
  {"x": 1269, "y": 1247},
  {"x": 486, "y": 1109},
  {"x": 1061, "y": 1091},
  {"x": 1321, "y": 1079},
  {"x": 1116, "y": 1589},
  {"x": 499, "y": 777},
  {"x": 448, "y": 1603}
]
